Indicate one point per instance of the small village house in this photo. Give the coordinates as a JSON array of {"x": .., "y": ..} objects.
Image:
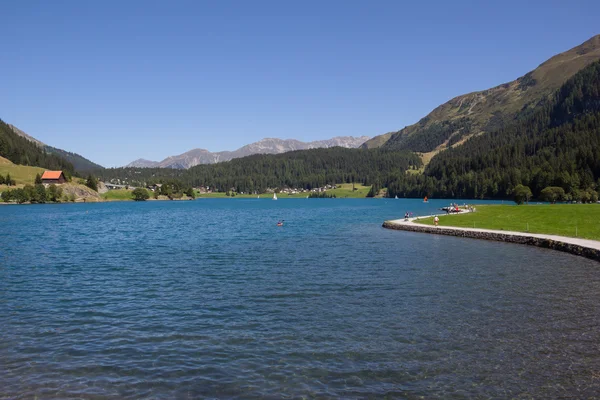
[{"x": 50, "y": 177}]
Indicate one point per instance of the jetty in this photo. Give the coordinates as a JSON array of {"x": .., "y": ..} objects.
[{"x": 581, "y": 247}]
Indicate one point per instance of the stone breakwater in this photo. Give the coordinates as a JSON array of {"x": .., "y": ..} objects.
[{"x": 568, "y": 245}]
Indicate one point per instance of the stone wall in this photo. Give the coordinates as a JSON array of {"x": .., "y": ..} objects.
[{"x": 500, "y": 237}]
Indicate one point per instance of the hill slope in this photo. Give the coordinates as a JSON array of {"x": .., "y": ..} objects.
[
  {"x": 266, "y": 146},
  {"x": 80, "y": 163},
  {"x": 492, "y": 109},
  {"x": 297, "y": 169},
  {"x": 23, "y": 151},
  {"x": 557, "y": 145}
]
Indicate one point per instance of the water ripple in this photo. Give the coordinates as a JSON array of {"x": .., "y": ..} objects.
[{"x": 209, "y": 299}]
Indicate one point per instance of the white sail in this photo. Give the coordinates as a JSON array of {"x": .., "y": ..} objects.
[{"x": 274, "y": 196}]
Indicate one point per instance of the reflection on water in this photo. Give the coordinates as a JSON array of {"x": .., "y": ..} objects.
[{"x": 211, "y": 299}]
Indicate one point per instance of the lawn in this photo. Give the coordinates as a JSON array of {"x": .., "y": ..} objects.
[
  {"x": 574, "y": 220},
  {"x": 117, "y": 195}
]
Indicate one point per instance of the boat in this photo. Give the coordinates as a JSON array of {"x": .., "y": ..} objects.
[
  {"x": 396, "y": 197},
  {"x": 274, "y": 196},
  {"x": 425, "y": 200},
  {"x": 258, "y": 197},
  {"x": 307, "y": 197}
]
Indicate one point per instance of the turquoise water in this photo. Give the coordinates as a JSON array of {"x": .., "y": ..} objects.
[{"x": 210, "y": 299}]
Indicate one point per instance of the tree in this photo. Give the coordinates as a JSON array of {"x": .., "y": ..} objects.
[
  {"x": 9, "y": 181},
  {"x": 522, "y": 194},
  {"x": 190, "y": 193},
  {"x": 92, "y": 182},
  {"x": 7, "y": 195},
  {"x": 40, "y": 194},
  {"x": 38, "y": 179},
  {"x": 374, "y": 191},
  {"x": 20, "y": 196},
  {"x": 54, "y": 193},
  {"x": 140, "y": 194},
  {"x": 552, "y": 194}
]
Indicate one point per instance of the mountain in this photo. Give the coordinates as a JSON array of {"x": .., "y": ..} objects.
[
  {"x": 80, "y": 163},
  {"x": 265, "y": 146},
  {"x": 306, "y": 169},
  {"x": 26, "y": 136},
  {"x": 557, "y": 146},
  {"x": 489, "y": 110},
  {"x": 21, "y": 149}
]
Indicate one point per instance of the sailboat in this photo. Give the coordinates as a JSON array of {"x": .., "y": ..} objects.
[
  {"x": 396, "y": 197},
  {"x": 258, "y": 197},
  {"x": 274, "y": 196}
]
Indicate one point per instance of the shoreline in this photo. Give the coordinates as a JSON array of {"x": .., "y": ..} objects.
[{"x": 580, "y": 247}]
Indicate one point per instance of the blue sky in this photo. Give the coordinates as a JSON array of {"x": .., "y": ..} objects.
[{"x": 119, "y": 80}]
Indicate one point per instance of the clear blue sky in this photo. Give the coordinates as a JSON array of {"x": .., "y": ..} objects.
[{"x": 119, "y": 80}]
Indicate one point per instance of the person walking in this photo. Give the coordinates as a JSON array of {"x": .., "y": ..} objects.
[{"x": 436, "y": 220}]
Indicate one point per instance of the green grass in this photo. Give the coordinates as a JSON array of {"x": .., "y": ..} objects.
[
  {"x": 343, "y": 191},
  {"x": 20, "y": 173},
  {"x": 117, "y": 195},
  {"x": 574, "y": 220}
]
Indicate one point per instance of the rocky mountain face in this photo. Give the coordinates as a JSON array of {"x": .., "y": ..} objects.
[
  {"x": 489, "y": 110},
  {"x": 265, "y": 146}
]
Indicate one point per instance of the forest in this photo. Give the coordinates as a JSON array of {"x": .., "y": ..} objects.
[
  {"x": 305, "y": 169},
  {"x": 21, "y": 151},
  {"x": 558, "y": 145}
]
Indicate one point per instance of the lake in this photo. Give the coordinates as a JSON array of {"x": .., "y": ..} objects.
[{"x": 209, "y": 298}]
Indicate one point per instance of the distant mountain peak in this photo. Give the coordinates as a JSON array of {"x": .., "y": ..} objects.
[{"x": 263, "y": 146}]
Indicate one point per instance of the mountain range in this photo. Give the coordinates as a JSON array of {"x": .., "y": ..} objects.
[
  {"x": 265, "y": 146},
  {"x": 489, "y": 110}
]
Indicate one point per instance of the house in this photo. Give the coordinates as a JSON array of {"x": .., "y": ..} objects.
[
  {"x": 53, "y": 177},
  {"x": 154, "y": 187}
]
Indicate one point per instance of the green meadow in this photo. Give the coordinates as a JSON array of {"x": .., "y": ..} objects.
[{"x": 574, "y": 220}]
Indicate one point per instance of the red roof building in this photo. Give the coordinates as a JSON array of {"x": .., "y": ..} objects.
[{"x": 53, "y": 177}]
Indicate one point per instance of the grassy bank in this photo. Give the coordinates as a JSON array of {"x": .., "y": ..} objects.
[
  {"x": 117, "y": 195},
  {"x": 574, "y": 220},
  {"x": 22, "y": 174},
  {"x": 342, "y": 191}
]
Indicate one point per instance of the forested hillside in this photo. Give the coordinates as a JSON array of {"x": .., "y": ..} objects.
[
  {"x": 492, "y": 109},
  {"x": 298, "y": 169},
  {"x": 22, "y": 151},
  {"x": 80, "y": 163},
  {"x": 557, "y": 145}
]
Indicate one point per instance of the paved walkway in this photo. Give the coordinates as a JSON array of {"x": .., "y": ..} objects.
[{"x": 592, "y": 244}]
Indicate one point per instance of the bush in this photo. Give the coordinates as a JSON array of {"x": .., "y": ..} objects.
[
  {"x": 140, "y": 194},
  {"x": 552, "y": 194},
  {"x": 522, "y": 194},
  {"x": 54, "y": 193}
]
